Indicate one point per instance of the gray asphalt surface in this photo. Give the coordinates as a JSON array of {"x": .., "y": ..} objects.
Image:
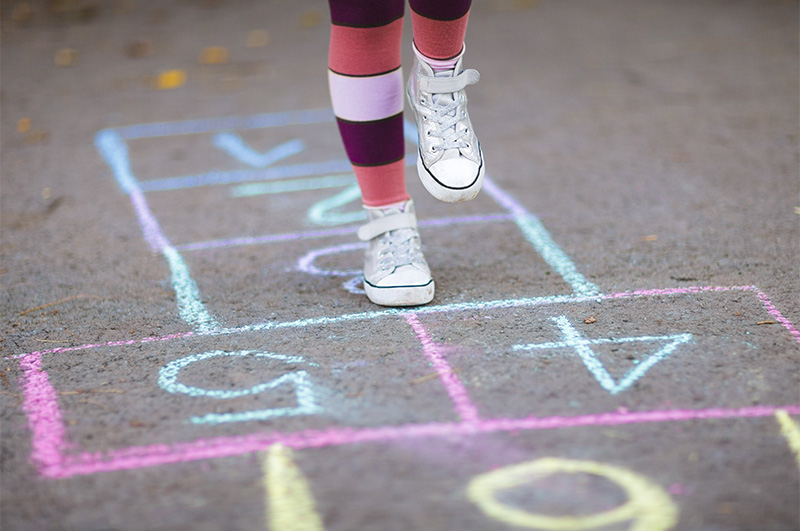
[{"x": 615, "y": 323}]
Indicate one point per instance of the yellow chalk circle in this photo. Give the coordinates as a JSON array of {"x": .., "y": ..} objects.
[
  {"x": 171, "y": 79},
  {"x": 648, "y": 505},
  {"x": 290, "y": 505},
  {"x": 791, "y": 431},
  {"x": 214, "y": 55}
]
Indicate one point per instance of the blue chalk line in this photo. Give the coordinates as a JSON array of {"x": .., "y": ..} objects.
[
  {"x": 233, "y": 145},
  {"x": 190, "y": 307}
]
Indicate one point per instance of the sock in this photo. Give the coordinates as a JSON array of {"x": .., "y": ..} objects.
[
  {"x": 439, "y": 65},
  {"x": 440, "y": 27}
]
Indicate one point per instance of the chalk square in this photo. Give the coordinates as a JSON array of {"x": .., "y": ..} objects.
[
  {"x": 280, "y": 381},
  {"x": 708, "y": 355}
]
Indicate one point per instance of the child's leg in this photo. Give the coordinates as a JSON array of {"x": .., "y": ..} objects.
[
  {"x": 366, "y": 85},
  {"x": 366, "y": 82},
  {"x": 439, "y": 29},
  {"x": 450, "y": 162}
]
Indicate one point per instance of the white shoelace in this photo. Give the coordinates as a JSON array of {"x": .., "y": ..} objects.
[
  {"x": 443, "y": 105},
  {"x": 398, "y": 248}
]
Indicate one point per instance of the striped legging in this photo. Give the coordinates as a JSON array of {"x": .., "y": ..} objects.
[{"x": 366, "y": 81}]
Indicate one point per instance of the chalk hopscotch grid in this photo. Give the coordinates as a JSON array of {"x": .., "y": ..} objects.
[
  {"x": 55, "y": 457},
  {"x": 49, "y": 452}
]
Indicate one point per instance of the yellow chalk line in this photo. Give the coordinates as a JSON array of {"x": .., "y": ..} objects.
[
  {"x": 791, "y": 431},
  {"x": 289, "y": 503},
  {"x": 650, "y": 508}
]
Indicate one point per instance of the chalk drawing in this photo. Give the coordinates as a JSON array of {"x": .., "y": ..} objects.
[
  {"x": 791, "y": 431},
  {"x": 217, "y": 178},
  {"x": 321, "y": 213},
  {"x": 190, "y": 306},
  {"x": 135, "y": 457},
  {"x": 306, "y": 262},
  {"x": 532, "y": 229},
  {"x": 773, "y": 311},
  {"x": 295, "y": 236},
  {"x": 582, "y": 346},
  {"x": 291, "y": 185},
  {"x": 353, "y": 284},
  {"x": 40, "y": 404},
  {"x": 452, "y": 383},
  {"x": 233, "y": 145},
  {"x": 211, "y": 125},
  {"x": 648, "y": 506},
  {"x": 54, "y": 456},
  {"x": 289, "y": 502},
  {"x": 537, "y": 235},
  {"x": 425, "y": 310},
  {"x": 304, "y": 390}
]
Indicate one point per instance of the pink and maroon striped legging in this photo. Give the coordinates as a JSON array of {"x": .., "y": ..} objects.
[{"x": 366, "y": 81}]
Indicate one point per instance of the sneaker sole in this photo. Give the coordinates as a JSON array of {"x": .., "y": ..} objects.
[
  {"x": 446, "y": 193},
  {"x": 401, "y": 295}
]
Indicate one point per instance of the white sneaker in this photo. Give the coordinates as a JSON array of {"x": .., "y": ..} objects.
[
  {"x": 395, "y": 272},
  {"x": 450, "y": 161}
]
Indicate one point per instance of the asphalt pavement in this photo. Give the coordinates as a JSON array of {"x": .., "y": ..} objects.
[{"x": 614, "y": 340}]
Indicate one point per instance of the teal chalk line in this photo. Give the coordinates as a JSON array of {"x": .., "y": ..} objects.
[
  {"x": 582, "y": 346},
  {"x": 307, "y": 403},
  {"x": 322, "y": 212},
  {"x": 190, "y": 307},
  {"x": 532, "y": 229},
  {"x": 234, "y": 146},
  {"x": 293, "y": 185}
]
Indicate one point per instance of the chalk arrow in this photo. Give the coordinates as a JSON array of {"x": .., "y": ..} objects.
[{"x": 234, "y": 146}]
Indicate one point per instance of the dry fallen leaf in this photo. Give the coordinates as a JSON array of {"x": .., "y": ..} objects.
[
  {"x": 139, "y": 48},
  {"x": 591, "y": 319},
  {"x": 24, "y": 125},
  {"x": 310, "y": 19},
  {"x": 22, "y": 12},
  {"x": 65, "y": 57},
  {"x": 213, "y": 55},
  {"x": 170, "y": 79}
]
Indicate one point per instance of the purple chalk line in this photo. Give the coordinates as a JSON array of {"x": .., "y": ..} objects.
[{"x": 293, "y": 236}]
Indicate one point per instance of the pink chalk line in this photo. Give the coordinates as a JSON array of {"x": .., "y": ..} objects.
[
  {"x": 40, "y": 404},
  {"x": 162, "y": 454},
  {"x": 452, "y": 383},
  {"x": 773, "y": 311},
  {"x": 60, "y": 350}
]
